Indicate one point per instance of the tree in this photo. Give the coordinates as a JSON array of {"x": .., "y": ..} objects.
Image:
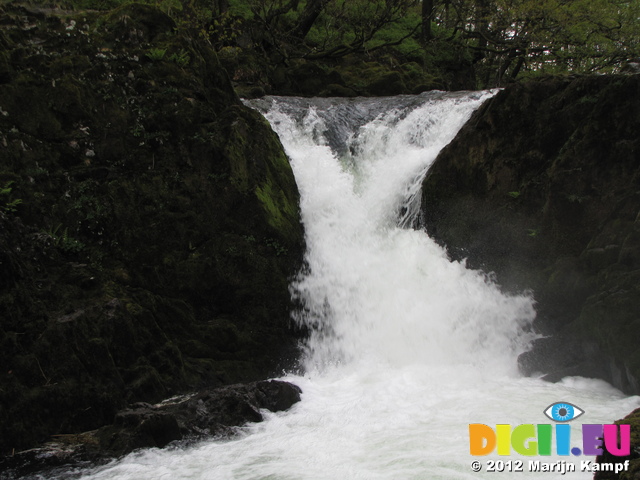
[
  {"x": 499, "y": 40},
  {"x": 354, "y": 26},
  {"x": 220, "y": 7},
  {"x": 339, "y": 27},
  {"x": 543, "y": 36},
  {"x": 427, "y": 18},
  {"x": 308, "y": 17}
]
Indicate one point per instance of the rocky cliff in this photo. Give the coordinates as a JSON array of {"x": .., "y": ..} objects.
[
  {"x": 148, "y": 222},
  {"x": 542, "y": 187}
]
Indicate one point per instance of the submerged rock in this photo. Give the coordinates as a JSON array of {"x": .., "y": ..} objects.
[{"x": 541, "y": 187}]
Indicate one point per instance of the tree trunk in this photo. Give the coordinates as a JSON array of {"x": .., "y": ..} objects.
[
  {"x": 220, "y": 7},
  {"x": 309, "y": 15},
  {"x": 517, "y": 68},
  {"x": 427, "y": 16},
  {"x": 482, "y": 22}
]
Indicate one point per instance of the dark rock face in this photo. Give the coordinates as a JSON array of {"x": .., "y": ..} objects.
[
  {"x": 149, "y": 222},
  {"x": 210, "y": 412},
  {"x": 542, "y": 187}
]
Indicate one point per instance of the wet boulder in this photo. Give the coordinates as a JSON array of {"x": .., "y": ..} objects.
[{"x": 541, "y": 188}]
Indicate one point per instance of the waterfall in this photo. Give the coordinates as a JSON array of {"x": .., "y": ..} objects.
[
  {"x": 406, "y": 347},
  {"x": 375, "y": 289}
]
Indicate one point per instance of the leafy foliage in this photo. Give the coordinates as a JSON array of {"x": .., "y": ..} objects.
[
  {"x": 62, "y": 240},
  {"x": 502, "y": 39},
  {"x": 362, "y": 26},
  {"x": 542, "y": 36},
  {"x": 6, "y": 203},
  {"x": 156, "y": 54},
  {"x": 316, "y": 29}
]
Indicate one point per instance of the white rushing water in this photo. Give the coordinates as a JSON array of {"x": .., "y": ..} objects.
[{"x": 407, "y": 348}]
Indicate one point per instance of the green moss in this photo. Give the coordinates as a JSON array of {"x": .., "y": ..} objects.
[
  {"x": 281, "y": 213},
  {"x": 235, "y": 152},
  {"x": 146, "y": 20}
]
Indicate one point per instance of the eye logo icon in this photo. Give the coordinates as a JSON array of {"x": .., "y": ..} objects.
[{"x": 563, "y": 412}]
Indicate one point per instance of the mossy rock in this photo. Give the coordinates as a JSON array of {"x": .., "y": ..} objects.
[
  {"x": 335, "y": 90},
  {"x": 390, "y": 83},
  {"x": 135, "y": 23},
  {"x": 158, "y": 228}
]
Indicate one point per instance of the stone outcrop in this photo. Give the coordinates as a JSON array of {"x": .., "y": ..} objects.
[
  {"x": 542, "y": 187},
  {"x": 149, "y": 222},
  {"x": 210, "y": 412}
]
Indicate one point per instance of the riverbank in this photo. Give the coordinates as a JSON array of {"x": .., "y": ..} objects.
[{"x": 149, "y": 222}]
